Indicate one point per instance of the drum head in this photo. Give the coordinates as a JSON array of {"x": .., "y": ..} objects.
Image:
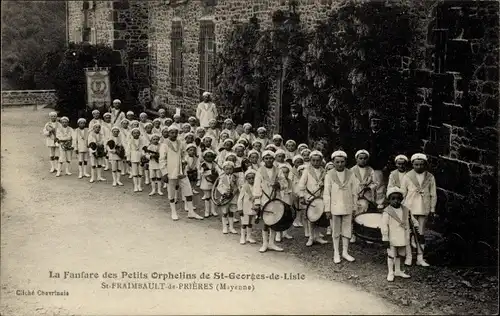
[
  {"x": 272, "y": 212},
  {"x": 315, "y": 209},
  {"x": 217, "y": 196},
  {"x": 371, "y": 220}
]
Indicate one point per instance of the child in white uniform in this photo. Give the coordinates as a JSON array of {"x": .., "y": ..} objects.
[
  {"x": 228, "y": 187},
  {"x": 420, "y": 196},
  {"x": 297, "y": 161},
  {"x": 246, "y": 208},
  {"x": 395, "y": 229},
  {"x": 49, "y": 130},
  {"x": 96, "y": 119},
  {"x": 208, "y": 174},
  {"x": 64, "y": 134},
  {"x": 97, "y": 152},
  {"x": 80, "y": 141},
  {"x": 114, "y": 142},
  {"x": 153, "y": 154},
  {"x": 339, "y": 197},
  {"x": 136, "y": 143},
  {"x": 262, "y": 136}
]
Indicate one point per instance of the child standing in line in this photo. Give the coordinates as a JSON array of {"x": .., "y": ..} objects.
[
  {"x": 125, "y": 135},
  {"x": 153, "y": 154},
  {"x": 247, "y": 133},
  {"x": 193, "y": 124},
  {"x": 116, "y": 152},
  {"x": 135, "y": 152},
  {"x": 130, "y": 116},
  {"x": 339, "y": 196},
  {"x": 396, "y": 176},
  {"x": 253, "y": 159},
  {"x": 106, "y": 126},
  {"x": 213, "y": 131},
  {"x": 297, "y": 161},
  {"x": 208, "y": 174},
  {"x": 305, "y": 153},
  {"x": 80, "y": 144},
  {"x": 262, "y": 136},
  {"x": 420, "y": 196},
  {"x": 157, "y": 126},
  {"x": 290, "y": 151},
  {"x": 96, "y": 145},
  {"x": 395, "y": 229},
  {"x": 228, "y": 187},
  {"x": 287, "y": 198},
  {"x": 96, "y": 119},
  {"x": 162, "y": 113},
  {"x": 177, "y": 122},
  {"x": 257, "y": 145},
  {"x": 246, "y": 208},
  {"x": 50, "y": 130},
  {"x": 64, "y": 134}
]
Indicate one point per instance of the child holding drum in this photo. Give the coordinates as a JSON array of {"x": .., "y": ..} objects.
[{"x": 395, "y": 229}]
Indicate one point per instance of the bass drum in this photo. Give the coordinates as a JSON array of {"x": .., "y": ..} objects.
[
  {"x": 315, "y": 212},
  {"x": 278, "y": 215},
  {"x": 217, "y": 197},
  {"x": 367, "y": 227}
]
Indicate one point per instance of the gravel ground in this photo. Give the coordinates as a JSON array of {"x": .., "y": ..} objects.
[{"x": 66, "y": 224}]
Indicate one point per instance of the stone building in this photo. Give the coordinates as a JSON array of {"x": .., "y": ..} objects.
[{"x": 175, "y": 42}]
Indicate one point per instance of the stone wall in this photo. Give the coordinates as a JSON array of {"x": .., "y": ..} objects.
[
  {"x": 222, "y": 13},
  {"x": 28, "y": 97},
  {"x": 99, "y": 18},
  {"x": 458, "y": 110}
]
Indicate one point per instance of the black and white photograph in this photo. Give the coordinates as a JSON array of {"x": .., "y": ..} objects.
[{"x": 249, "y": 157}]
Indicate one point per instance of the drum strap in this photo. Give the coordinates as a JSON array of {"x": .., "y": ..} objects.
[
  {"x": 392, "y": 214},
  {"x": 413, "y": 178}
]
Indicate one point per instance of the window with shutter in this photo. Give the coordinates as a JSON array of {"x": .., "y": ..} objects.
[
  {"x": 93, "y": 36},
  {"x": 207, "y": 55},
  {"x": 176, "y": 67}
]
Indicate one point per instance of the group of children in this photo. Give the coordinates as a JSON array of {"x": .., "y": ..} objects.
[{"x": 251, "y": 169}]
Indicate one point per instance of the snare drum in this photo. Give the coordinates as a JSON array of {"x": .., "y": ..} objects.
[
  {"x": 315, "y": 212},
  {"x": 278, "y": 215},
  {"x": 367, "y": 227}
]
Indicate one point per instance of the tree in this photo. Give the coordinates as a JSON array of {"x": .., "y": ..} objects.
[{"x": 30, "y": 29}]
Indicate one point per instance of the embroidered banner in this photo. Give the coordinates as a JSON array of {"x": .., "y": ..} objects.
[{"x": 98, "y": 87}]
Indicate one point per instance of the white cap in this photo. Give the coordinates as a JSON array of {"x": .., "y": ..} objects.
[
  {"x": 130, "y": 113},
  {"x": 177, "y": 115},
  {"x": 212, "y": 121},
  {"x": 329, "y": 164},
  {"x": 418, "y": 156},
  {"x": 271, "y": 146},
  {"x": 247, "y": 125},
  {"x": 124, "y": 121},
  {"x": 64, "y": 118},
  {"x": 239, "y": 146},
  {"x": 188, "y": 134},
  {"x": 228, "y": 140},
  {"x": 186, "y": 125},
  {"x": 164, "y": 128},
  {"x": 135, "y": 129},
  {"x": 168, "y": 119},
  {"x": 230, "y": 154},
  {"x": 143, "y": 114},
  {"x": 296, "y": 157},
  {"x": 81, "y": 119},
  {"x": 250, "y": 171},
  {"x": 156, "y": 120},
  {"x": 134, "y": 122},
  {"x": 206, "y": 94},
  {"x": 284, "y": 165},
  {"x": 173, "y": 128},
  {"x": 302, "y": 145},
  {"x": 256, "y": 141},
  {"x": 117, "y": 101},
  {"x": 360, "y": 152},
  {"x": 400, "y": 157},
  {"x": 253, "y": 151},
  {"x": 227, "y": 163},
  {"x": 148, "y": 124},
  {"x": 316, "y": 153},
  {"x": 190, "y": 146},
  {"x": 115, "y": 128},
  {"x": 206, "y": 137},
  {"x": 53, "y": 114},
  {"x": 290, "y": 141},
  {"x": 228, "y": 120},
  {"x": 224, "y": 131},
  {"x": 106, "y": 114},
  {"x": 267, "y": 153},
  {"x": 392, "y": 190},
  {"x": 208, "y": 151},
  {"x": 261, "y": 129},
  {"x": 304, "y": 151},
  {"x": 161, "y": 111},
  {"x": 279, "y": 152},
  {"x": 192, "y": 118},
  {"x": 199, "y": 129},
  {"x": 95, "y": 112},
  {"x": 277, "y": 136},
  {"x": 339, "y": 153}
]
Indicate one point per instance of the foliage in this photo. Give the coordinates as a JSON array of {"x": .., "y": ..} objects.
[
  {"x": 239, "y": 83},
  {"x": 354, "y": 62},
  {"x": 30, "y": 30},
  {"x": 67, "y": 70}
]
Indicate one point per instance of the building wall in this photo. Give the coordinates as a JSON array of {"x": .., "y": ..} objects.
[
  {"x": 222, "y": 13},
  {"x": 99, "y": 18}
]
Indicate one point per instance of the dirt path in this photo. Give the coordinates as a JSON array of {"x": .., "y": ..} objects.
[{"x": 66, "y": 224}]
